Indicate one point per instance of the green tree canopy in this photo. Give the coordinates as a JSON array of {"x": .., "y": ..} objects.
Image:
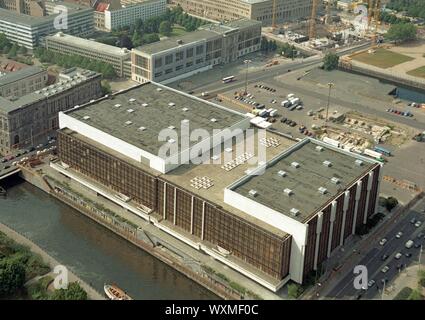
[
  {"x": 12, "y": 275},
  {"x": 330, "y": 61},
  {"x": 165, "y": 28},
  {"x": 74, "y": 292},
  {"x": 401, "y": 32}
]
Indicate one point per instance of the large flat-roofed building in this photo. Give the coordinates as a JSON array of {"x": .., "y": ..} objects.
[
  {"x": 112, "y": 15},
  {"x": 30, "y": 7},
  {"x": 30, "y": 118},
  {"x": 305, "y": 201},
  {"x": 260, "y": 10},
  {"x": 30, "y": 31},
  {"x": 19, "y": 83},
  {"x": 178, "y": 57},
  {"x": 119, "y": 58}
]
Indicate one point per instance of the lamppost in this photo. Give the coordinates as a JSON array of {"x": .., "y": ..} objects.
[
  {"x": 330, "y": 85},
  {"x": 247, "y": 62}
]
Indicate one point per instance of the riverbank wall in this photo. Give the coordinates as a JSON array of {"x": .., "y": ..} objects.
[{"x": 210, "y": 281}]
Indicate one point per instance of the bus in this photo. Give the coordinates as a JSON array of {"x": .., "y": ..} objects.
[
  {"x": 385, "y": 152},
  {"x": 228, "y": 79}
]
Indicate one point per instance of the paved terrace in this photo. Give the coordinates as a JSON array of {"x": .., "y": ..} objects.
[
  {"x": 138, "y": 115},
  {"x": 303, "y": 181}
]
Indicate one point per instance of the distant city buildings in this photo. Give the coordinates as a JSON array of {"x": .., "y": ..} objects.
[
  {"x": 119, "y": 58},
  {"x": 113, "y": 14},
  {"x": 30, "y": 31},
  {"x": 261, "y": 10},
  {"x": 179, "y": 57},
  {"x": 33, "y": 116},
  {"x": 33, "y": 8},
  {"x": 272, "y": 223},
  {"x": 19, "y": 83}
]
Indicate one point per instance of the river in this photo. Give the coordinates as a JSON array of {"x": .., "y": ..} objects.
[{"x": 93, "y": 253}]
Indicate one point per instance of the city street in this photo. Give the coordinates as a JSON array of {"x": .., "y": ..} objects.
[{"x": 373, "y": 258}]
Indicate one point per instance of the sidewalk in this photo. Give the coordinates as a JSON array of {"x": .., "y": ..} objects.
[{"x": 91, "y": 292}]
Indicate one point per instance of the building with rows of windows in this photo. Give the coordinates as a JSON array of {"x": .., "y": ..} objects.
[{"x": 272, "y": 220}]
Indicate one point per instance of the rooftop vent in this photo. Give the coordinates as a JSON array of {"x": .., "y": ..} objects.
[
  {"x": 130, "y": 110},
  {"x": 128, "y": 123},
  {"x": 158, "y": 89},
  {"x": 335, "y": 180},
  {"x": 142, "y": 128},
  {"x": 171, "y": 141},
  {"x": 179, "y": 41},
  {"x": 144, "y": 104},
  {"x": 319, "y": 148},
  {"x": 359, "y": 162},
  {"x": 171, "y": 104},
  {"x": 294, "y": 212},
  {"x": 228, "y": 149},
  {"x": 185, "y": 109},
  {"x": 213, "y": 120},
  {"x": 171, "y": 127},
  {"x": 253, "y": 193},
  {"x": 86, "y": 117},
  {"x": 323, "y": 190},
  {"x": 117, "y": 105},
  {"x": 282, "y": 173},
  {"x": 185, "y": 120},
  {"x": 288, "y": 192},
  {"x": 131, "y": 100},
  {"x": 327, "y": 163},
  {"x": 295, "y": 164}
]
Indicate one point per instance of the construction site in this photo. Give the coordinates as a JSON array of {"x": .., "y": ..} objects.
[{"x": 331, "y": 27}]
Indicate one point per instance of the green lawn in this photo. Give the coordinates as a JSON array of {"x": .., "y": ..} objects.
[
  {"x": 382, "y": 58},
  {"x": 419, "y": 72},
  {"x": 178, "y": 31}
]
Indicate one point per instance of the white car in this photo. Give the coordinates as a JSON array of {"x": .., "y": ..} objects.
[
  {"x": 385, "y": 269},
  {"x": 398, "y": 256},
  {"x": 399, "y": 235},
  {"x": 418, "y": 224},
  {"x": 383, "y": 241},
  {"x": 371, "y": 283}
]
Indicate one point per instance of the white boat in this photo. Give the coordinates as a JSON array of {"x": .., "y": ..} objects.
[
  {"x": 115, "y": 293},
  {"x": 223, "y": 251}
]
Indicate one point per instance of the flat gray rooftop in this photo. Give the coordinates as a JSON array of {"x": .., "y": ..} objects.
[
  {"x": 19, "y": 75},
  {"x": 67, "y": 79},
  {"x": 23, "y": 19},
  {"x": 304, "y": 181},
  {"x": 171, "y": 42},
  {"x": 154, "y": 108}
]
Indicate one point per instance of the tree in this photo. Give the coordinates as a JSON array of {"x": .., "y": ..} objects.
[
  {"x": 330, "y": 61},
  {"x": 22, "y": 50},
  {"x": 294, "y": 290},
  {"x": 106, "y": 87},
  {"x": 415, "y": 295},
  {"x": 73, "y": 292},
  {"x": 391, "y": 203},
  {"x": 137, "y": 38},
  {"x": 149, "y": 38},
  {"x": 13, "y": 51},
  {"x": 12, "y": 276},
  {"x": 125, "y": 42},
  {"x": 165, "y": 28},
  {"x": 401, "y": 32}
]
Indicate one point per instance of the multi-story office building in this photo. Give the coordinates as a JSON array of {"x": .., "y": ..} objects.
[
  {"x": 179, "y": 57},
  {"x": 272, "y": 222},
  {"x": 32, "y": 117},
  {"x": 119, "y": 58},
  {"x": 19, "y": 83},
  {"x": 33, "y": 8},
  {"x": 30, "y": 31},
  {"x": 261, "y": 10}
]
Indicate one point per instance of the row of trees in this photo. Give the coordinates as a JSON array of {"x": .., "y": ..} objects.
[
  {"x": 401, "y": 32},
  {"x": 268, "y": 45},
  {"x": 148, "y": 31},
  {"x": 10, "y": 48},
  {"x": 414, "y": 8},
  {"x": 392, "y": 18},
  {"x": 68, "y": 61}
]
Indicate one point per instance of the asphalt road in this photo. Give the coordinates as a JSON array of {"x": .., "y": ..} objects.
[{"x": 374, "y": 262}]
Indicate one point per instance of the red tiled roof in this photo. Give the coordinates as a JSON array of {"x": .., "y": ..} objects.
[{"x": 102, "y": 6}]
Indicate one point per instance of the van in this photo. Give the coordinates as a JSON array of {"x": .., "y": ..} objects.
[
  {"x": 285, "y": 103},
  {"x": 291, "y": 95},
  {"x": 409, "y": 244}
]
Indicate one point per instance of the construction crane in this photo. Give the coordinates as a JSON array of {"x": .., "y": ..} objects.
[
  {"x": 377, "y": 17},
  {"x": 274, "y": 15},
  {"x": 312, "y": 30},
  {"x": 369, "y": 13},
  {"x": 328, "y": 12}
]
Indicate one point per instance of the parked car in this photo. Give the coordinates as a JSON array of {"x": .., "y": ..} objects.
[
  {"x": 371, "y": 283},
  {"x": 413, "y": 221},
  {"x": 384, "y": 257},
  {"x": 399, "y": 235},
  {"x": 385, "y": 269},
  {"x": 418, "y": 224},
  {"x": 407, "y": 254},
  {"x": 383, "y": 241},
  {"x": 398, "y": 256}
]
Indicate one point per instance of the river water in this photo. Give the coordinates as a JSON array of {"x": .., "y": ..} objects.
[{"x": 92, "y": 252}]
